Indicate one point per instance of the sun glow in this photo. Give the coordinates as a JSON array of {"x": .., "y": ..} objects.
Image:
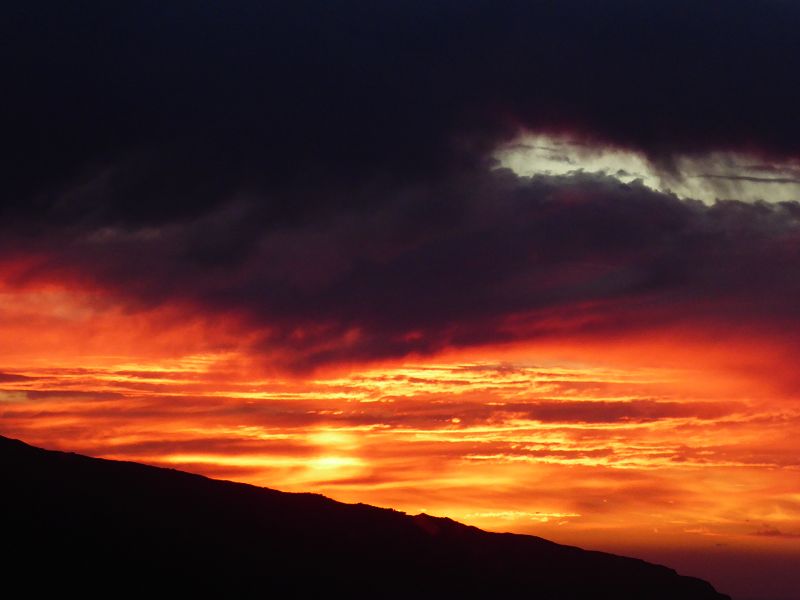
[
  {"x": 497, "y": 444},
  {"x": 598, "y": 442}
]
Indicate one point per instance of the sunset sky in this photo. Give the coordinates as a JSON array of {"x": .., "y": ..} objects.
[{"x": 534, "y": 266}]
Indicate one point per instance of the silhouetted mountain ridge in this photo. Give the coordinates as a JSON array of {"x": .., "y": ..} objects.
[{"x": 97, "y": 527}]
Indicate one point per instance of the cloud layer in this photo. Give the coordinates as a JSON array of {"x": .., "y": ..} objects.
[
  {"x": 326, "y": 175},
  {"x": 479, "y": 259}
]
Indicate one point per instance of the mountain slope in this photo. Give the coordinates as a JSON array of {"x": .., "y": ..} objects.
[{"x": 97, "y": 527}]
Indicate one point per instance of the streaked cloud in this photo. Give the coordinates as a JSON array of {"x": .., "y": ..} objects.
[
  {"x": 707, "y": 177},
  {"x": 605, "y": 448}
]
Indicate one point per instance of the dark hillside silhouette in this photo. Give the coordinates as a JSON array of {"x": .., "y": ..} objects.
[{"x": 78, "y": 525}]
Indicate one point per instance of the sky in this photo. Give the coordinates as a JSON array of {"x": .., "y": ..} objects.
[{"x": 533, "y": 266}]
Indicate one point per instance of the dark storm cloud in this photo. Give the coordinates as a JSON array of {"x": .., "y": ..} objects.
[
  {"x": 174, "y": 106},
  {"x": 481, "y": 258},
  {"x": 323, "y": 169}
]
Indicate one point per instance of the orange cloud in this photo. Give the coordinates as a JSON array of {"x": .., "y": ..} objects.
[{"x": 597, "y": 442}]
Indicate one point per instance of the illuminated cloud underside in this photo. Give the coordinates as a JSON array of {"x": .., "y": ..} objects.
[{"x": 707, "y": 177}]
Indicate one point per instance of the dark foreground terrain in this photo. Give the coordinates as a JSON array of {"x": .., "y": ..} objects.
[{"x": 78, "y": 525}]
